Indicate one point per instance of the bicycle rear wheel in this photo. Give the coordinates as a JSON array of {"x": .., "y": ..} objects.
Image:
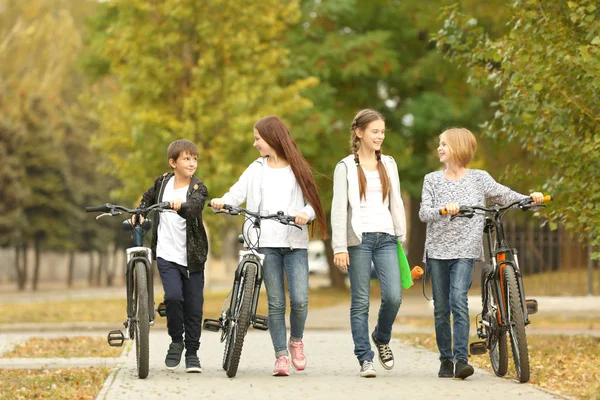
[
  {"x": 496, "y": 337},
  {"x": 518, "y": 338},
  {"x": 142, "y": 319},
  {"x": 240, "y": 321}
]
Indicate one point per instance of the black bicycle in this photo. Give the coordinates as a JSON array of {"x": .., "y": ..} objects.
[
  {"x": 237, "y": 317},
  {"x": 140, "y": 288},
  {"x": 505, "y": 308}
]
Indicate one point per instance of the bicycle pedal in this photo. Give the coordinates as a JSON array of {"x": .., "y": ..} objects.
[
  {"x": 478, "y": 348},
  {"x": 162, "y": 309},
  {"x": 212, "y": 325},
  {"x": 115, "y": 338},
  {"x": 532, "y": 306},
  {"x": 261, "y": 322}
]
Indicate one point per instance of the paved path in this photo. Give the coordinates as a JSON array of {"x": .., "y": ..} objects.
[{"x": 332, "y": 373}]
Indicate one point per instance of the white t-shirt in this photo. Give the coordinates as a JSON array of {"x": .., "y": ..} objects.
[
  {"x": 375, "y": 215},
  {"x": 171, "y": 244},
  {"x": 277, "y": 187}
]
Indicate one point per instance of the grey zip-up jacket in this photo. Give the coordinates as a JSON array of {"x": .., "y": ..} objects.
[
  {"x": 345, "y": 207},
  {"x": 196, "y": 239}
]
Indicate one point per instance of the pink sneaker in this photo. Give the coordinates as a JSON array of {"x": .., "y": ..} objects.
[
  {"x": 298, "y": 357},
  {"x": 282, "y": 366}
]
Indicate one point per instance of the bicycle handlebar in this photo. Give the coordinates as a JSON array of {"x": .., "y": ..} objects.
[
  {"x": 114, "y": 209},
  {"x": 469, "y": 211},
  {"x": 279, "y": 217}
]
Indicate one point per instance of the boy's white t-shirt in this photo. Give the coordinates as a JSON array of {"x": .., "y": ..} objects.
[
  {"x": 171, "y": 245},
  {"x": 375, "y": 215},
  {"x": 277, "y": 187}
]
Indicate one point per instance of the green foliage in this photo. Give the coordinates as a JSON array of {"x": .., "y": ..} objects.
[
  {"x": 181, "y": 74},
  {"x": 12, "y": 176},
  {"x": 547, "y": 72},
  {"x": 49, "y": 170}
]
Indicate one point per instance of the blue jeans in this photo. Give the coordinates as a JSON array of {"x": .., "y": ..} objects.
[
  {"x": 450, "y": 281},
  {"x": 381, "y": 249},
  {"x": 295, "y": 265}
]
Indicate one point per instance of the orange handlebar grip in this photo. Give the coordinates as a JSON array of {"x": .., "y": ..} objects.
[
  {"x": 548, "y": 197},
  {"x": 417, "y": 272},
  {"x": 443, "y": 211}
]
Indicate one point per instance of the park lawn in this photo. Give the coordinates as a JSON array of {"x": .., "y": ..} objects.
[
  {"x": 56, "y": 384},
  {"x": 113, "y": 310},
  {"x": 569, "y": 365},
  {"x": 64, "y": 347}
]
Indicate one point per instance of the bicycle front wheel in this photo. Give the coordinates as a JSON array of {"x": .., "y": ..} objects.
[
  {"x": 240, "y": 321},
  {"x": 496, "y": 337},
  {"x": 142, "y": 319},
  {"x": 518, "y": 338}
]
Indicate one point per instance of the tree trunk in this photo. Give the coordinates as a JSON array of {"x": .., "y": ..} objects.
[
  {"x": 112, "y": 270},
  {"x": 416, "y": 242},
  {"x": 71, "y": 268},
  {"x": 36, "y": 267},
  {"x": 91, "y": 269},
  {"x": 338, "y": 280},
  {"x": 100, "y": 267},
  {"x": 21, "y": 266}
]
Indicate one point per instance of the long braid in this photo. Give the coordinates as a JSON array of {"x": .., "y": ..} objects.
[
  {"x": 362, "y": 179},
  {"x": 383, "y": 176}
]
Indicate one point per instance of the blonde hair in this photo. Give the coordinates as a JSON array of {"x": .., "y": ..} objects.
[{"x": 462, "y": 145}]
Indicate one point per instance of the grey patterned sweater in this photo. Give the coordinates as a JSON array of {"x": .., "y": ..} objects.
[{"x": 463, "y": 237}]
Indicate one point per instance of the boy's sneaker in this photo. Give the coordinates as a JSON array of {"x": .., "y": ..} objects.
[
  {"x": 282, "y": 366},
  {"x": 463, "y": 370},
  {"x": 367, "y": 369},
  {"x": 192, "y": 363},
  {"x": 446, "y": 369},
  {"x": 174, "y": 355},
  {"x": 386, "y": 357},
  {"x": 297, "y": 353}
]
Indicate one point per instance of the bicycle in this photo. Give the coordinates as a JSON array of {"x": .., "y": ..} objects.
[
  {"x": 139, "y": 283},
  {"x": 237, "y": 317},
  {"x": 505, "y": 308}
]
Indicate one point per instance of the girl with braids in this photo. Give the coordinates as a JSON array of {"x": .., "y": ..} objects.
[
  {"x": 367, "y": 220},
  {"x": 281, "y": 180}
]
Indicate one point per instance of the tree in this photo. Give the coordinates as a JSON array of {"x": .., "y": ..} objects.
[
  {"x": 40, "y": 42},
  {"x": 547, "y": 72},
  {"x": 180, "y": 74},
  {"x": 377, "y": 54}
]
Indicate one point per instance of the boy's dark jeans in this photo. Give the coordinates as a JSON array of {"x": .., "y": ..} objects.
[{"x": 184, "y": 298}]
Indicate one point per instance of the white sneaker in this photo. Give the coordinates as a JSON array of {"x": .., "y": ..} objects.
[{"x": 367, "y": 370}]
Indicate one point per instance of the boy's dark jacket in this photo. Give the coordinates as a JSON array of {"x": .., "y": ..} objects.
[{"x": 196, "y": 240}]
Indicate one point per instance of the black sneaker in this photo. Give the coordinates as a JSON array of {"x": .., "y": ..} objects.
[
  {"x": 174, "y": 355},
  {"x": 192, "y": 363},
  {"x": 386, "y": 358},
  {"x": 463, "y": 370},
  {"x": 446, "y": 369}
]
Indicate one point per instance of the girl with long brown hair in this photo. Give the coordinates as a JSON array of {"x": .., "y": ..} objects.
[
  {"x": 368, "y": 221},
  {"x": 281, "y": 180}
]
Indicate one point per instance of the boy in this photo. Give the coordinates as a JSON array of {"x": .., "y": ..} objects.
[{"x": 180, "y": 245}]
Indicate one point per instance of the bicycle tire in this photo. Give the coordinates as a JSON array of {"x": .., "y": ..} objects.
[
  {"x": 227, "y": 351},
  {"x": 241, "y": 320},
  {"x": 496, "y": 337},
  {"x": 142, "y": 319},
  {"x": 518, "y": 337}
]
